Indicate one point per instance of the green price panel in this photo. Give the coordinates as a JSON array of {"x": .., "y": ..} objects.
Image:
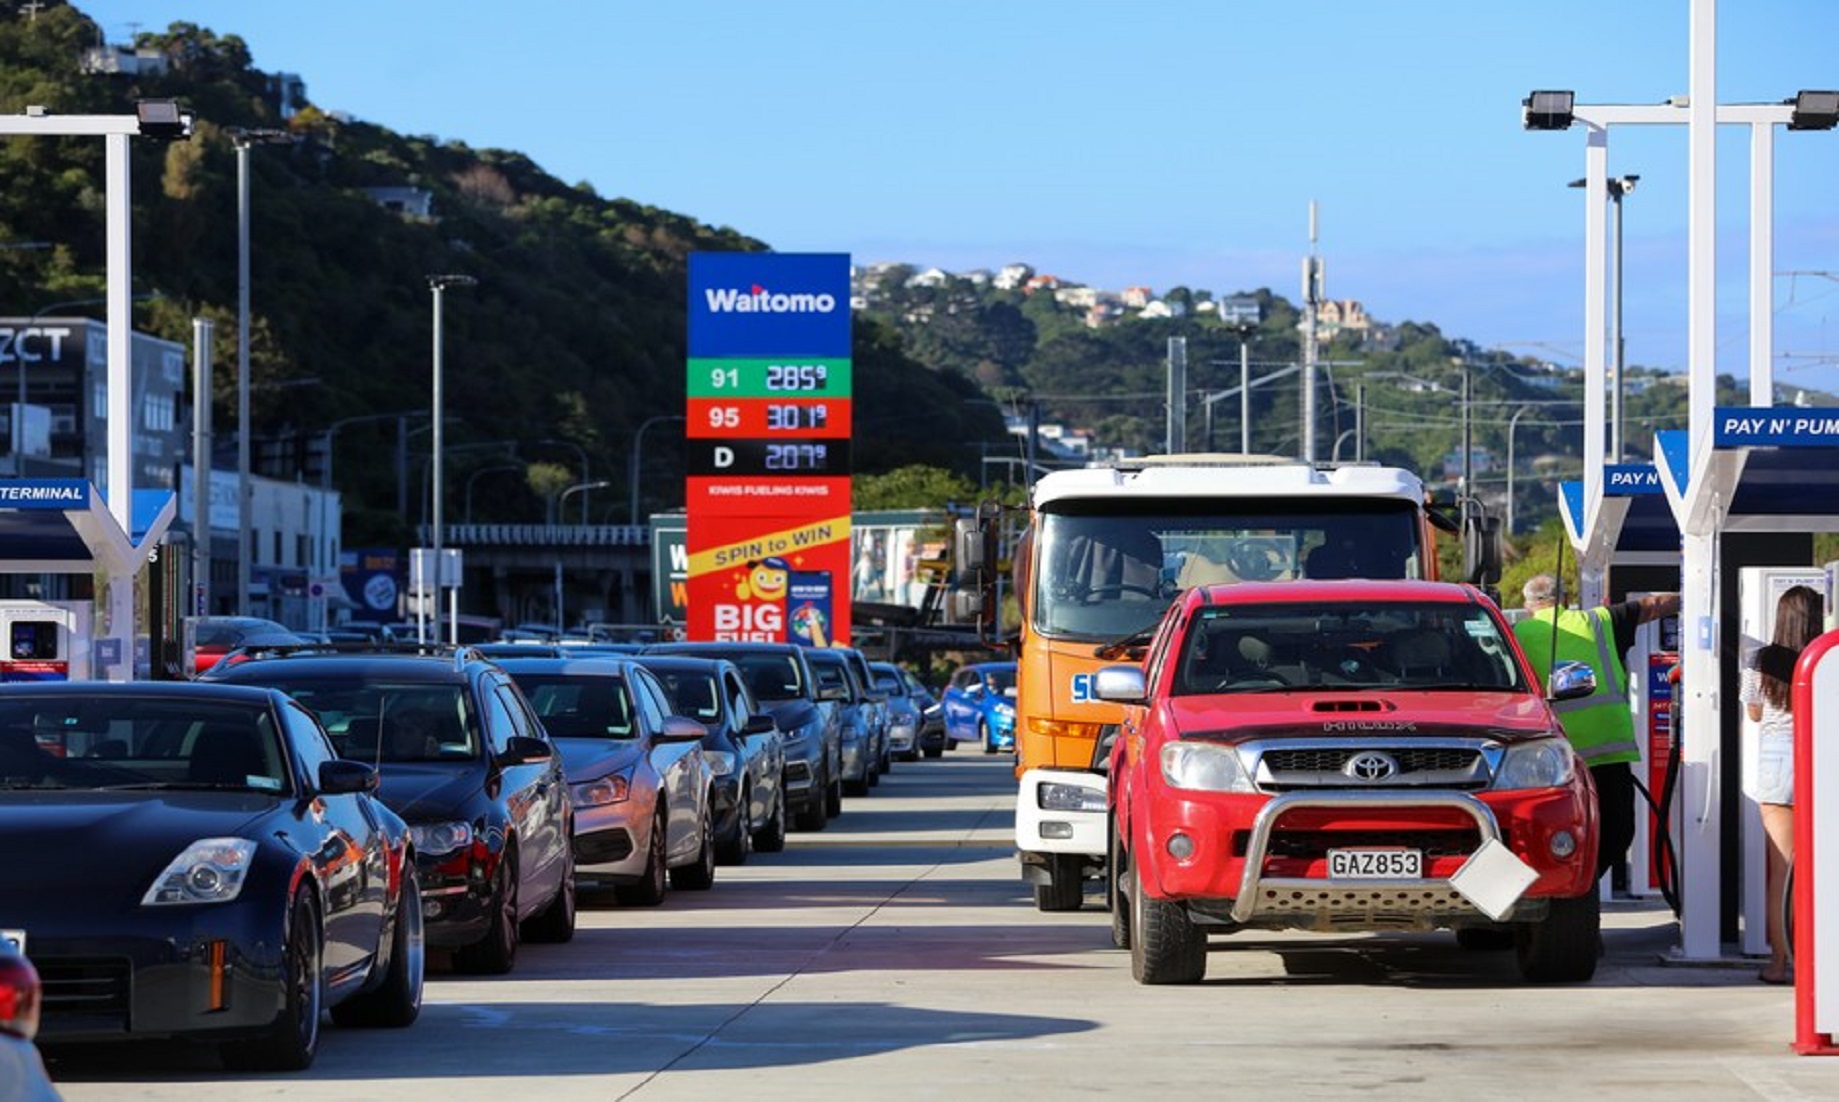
[{"x": 781, "y": 377}]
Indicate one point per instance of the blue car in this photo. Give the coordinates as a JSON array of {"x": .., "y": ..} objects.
[{"x": 980, "y": 706}]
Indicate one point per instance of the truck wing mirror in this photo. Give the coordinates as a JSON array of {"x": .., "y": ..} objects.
[{"x": 1571, "y": 680}]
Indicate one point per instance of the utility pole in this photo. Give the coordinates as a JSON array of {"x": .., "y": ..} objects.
[
  {"x": 1312, "y": 296},
  {"x": 1177, "y": 439}
]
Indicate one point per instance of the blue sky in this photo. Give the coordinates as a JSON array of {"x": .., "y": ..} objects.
[{"x": 1120, "y": 144}]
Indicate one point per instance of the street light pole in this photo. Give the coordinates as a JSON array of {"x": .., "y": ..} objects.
[
  {"x": 582, "y": 453},
  {"x": 438, "y": 284},
  {"x": 1513, "y": 423},
  {"x": 634, "y": 467},
  {"x": 242, "y": 139},
  {"x": 1617, "y": 186}
]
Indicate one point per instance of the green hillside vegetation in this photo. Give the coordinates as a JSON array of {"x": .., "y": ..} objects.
[{"x": 574, "y": 332}]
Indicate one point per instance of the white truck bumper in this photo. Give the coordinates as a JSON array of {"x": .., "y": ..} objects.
[{"x": 1061, "y": 811}]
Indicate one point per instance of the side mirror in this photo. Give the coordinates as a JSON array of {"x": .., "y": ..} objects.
[
  {"x": 525, "y": 750},
  {"x": 1481, "y": 550},
  {"x": 1121, "y": 685},
  {"x": 759, "y": 725},
  {"x": 1571, "y": 680},
  {"x": 968, "y": 544},
  {"x": 340, "y": 777},
  {"x": 681, "y": 729}
]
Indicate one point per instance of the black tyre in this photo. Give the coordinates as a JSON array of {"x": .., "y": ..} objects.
[
  {"x": 815, "y": 814},
  {"x": 555, "y": 924},
  {"x": 699, "y": 876},
  {"x": 1561, "y": 947},
  {"x": 1165, "y": 945},
  {"x": 1064, "y": 890},
  {"x": 396, "y": 1002},
  {"x": 984, "y": 736},
  {"x": 648, "y": 890},
  {"x": 496, "y": 953},
  {"x": 1114, "y": 896},
  {"x": 1484, "y": 939},
  {"x": 771, "y": 837},
  {"x": 291, "y": 1042},
  {"x": 833, "y": 797},
  {"x": 738, "y": 845},
  {"x": 935, "y": 751}
]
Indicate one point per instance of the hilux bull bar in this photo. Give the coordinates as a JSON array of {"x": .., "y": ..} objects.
[{"x": 1253, "y": 886}]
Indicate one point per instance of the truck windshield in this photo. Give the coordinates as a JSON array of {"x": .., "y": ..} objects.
[
  {"x": 1108, "y": 568},
  {"x": 1426, "y": 645}
]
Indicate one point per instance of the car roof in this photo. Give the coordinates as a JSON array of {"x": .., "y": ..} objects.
[
  {"x": 1339, "y": 591},
  {"x": 734, "y": 647},
  {"x": 407, "y": 661},
  {"x": 143, "y": 690},
  {"x": 682, "y": 662},
  {"x": 598, "y": 665}
]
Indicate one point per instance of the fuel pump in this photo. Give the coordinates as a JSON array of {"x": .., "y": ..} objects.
[
  {"x": 1652, "y": 664},
  {"x": 46, "y": 640}
]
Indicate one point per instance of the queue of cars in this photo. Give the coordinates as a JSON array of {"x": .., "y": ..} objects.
[{"x": 294, "y": 830}]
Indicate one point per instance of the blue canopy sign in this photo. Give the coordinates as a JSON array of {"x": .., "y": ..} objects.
[{"x": 1775, "y": 427}]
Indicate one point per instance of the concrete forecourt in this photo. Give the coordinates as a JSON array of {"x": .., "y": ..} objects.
[{"x": 896, "y": 955}]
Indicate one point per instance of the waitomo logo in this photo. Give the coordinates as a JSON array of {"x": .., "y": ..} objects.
[{"x": 733, "y": 300}]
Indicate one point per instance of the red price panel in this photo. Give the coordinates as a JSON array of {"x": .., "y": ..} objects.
[{"x": 764, "y": 418}]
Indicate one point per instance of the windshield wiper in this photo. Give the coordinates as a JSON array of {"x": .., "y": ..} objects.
[{"x": 1126, "y": 646}]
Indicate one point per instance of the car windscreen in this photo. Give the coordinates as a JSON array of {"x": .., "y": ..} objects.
[
  {"x": 379, "y": 719},
  {"x": 580, "y": 705},
  {"x": 1429, "y": 645},
  {"x": 126, "y": 743}
]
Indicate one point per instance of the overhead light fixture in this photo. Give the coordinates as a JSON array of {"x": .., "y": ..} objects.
[
  {"x": 1549, "y": 110},
  {"x": 1814, "y": 111},
  {"x": 162, "y": 120}
]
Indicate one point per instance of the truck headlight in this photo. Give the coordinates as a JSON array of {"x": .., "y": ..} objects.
[
  {"x": 1541, "y": 763},
  {"x": 721, "y": 762},
  {"x": 1205, "y": 766},
  {"x": 1069, "y": 797}
]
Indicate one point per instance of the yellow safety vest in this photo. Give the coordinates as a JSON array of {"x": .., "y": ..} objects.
[{"x": 1600, "y": 726}]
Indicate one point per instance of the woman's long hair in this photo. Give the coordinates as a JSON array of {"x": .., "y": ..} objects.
[{"x": 1798, "y": 617}]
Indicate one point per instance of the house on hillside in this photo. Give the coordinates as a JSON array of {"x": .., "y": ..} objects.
[
  {"x": 412, "y": 203},
  {"x": 1108, "y": 310},
  {"x": 1041, "y": 283},
  {"x": 931, "y": 277},
  {"x": 1077, "y": 296},
  {"x": 123, "y": 61},
  {"x": 1011, "y": 276},
  {"x": 1137, "y": 297},
  {"x": 1340, "y": 315},
  {"x": 1163, "y": 308}
]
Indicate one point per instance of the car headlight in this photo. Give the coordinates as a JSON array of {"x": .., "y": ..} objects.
[
  {"x": 1069, "y": 797},
  {"x": 721, "y": 762},
  {"x": 210, "y": 870},
  {"x": 610, "y": 789},
  {"x": 438, "y": 839},
  {"x": 434, "y": 839},
  {"x": 1541, "y": 763},
  {"x": 1206, "y": 766},
  {"x": 1004, "y": 711}
]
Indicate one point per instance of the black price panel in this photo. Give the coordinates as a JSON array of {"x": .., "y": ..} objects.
[{"x": 773, "y": 458}]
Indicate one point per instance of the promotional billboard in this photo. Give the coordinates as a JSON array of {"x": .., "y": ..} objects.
[{"x": 768, "y": 422}]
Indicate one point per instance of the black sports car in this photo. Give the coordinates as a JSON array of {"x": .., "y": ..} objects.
[{"x": 195, "y": 860}]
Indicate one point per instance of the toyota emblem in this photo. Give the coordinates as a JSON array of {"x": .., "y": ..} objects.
[{"x": 1371, "y": 765}]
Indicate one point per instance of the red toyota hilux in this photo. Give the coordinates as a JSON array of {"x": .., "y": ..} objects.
[{"x": 1346, "y": 756}]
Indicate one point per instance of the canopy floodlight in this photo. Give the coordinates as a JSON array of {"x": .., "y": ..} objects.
[
  {"x": 161, "y": 119},
  {"x": 1549, "y": 110},
  {"x": 1814, "y": 111}
]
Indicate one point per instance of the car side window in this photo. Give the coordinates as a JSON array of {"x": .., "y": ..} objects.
[
  {"x": 500, "y": 721},
  {"x": 649, "y": 698},
  {"x": 308, "y": 739},
  {"x": 739, "y": 701}
]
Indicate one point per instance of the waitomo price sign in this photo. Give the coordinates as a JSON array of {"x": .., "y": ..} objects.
[{"x": 769, "y": 421}]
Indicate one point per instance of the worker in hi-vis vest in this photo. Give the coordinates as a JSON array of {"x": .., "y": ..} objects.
[{"x": 1600, "y": 726}]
